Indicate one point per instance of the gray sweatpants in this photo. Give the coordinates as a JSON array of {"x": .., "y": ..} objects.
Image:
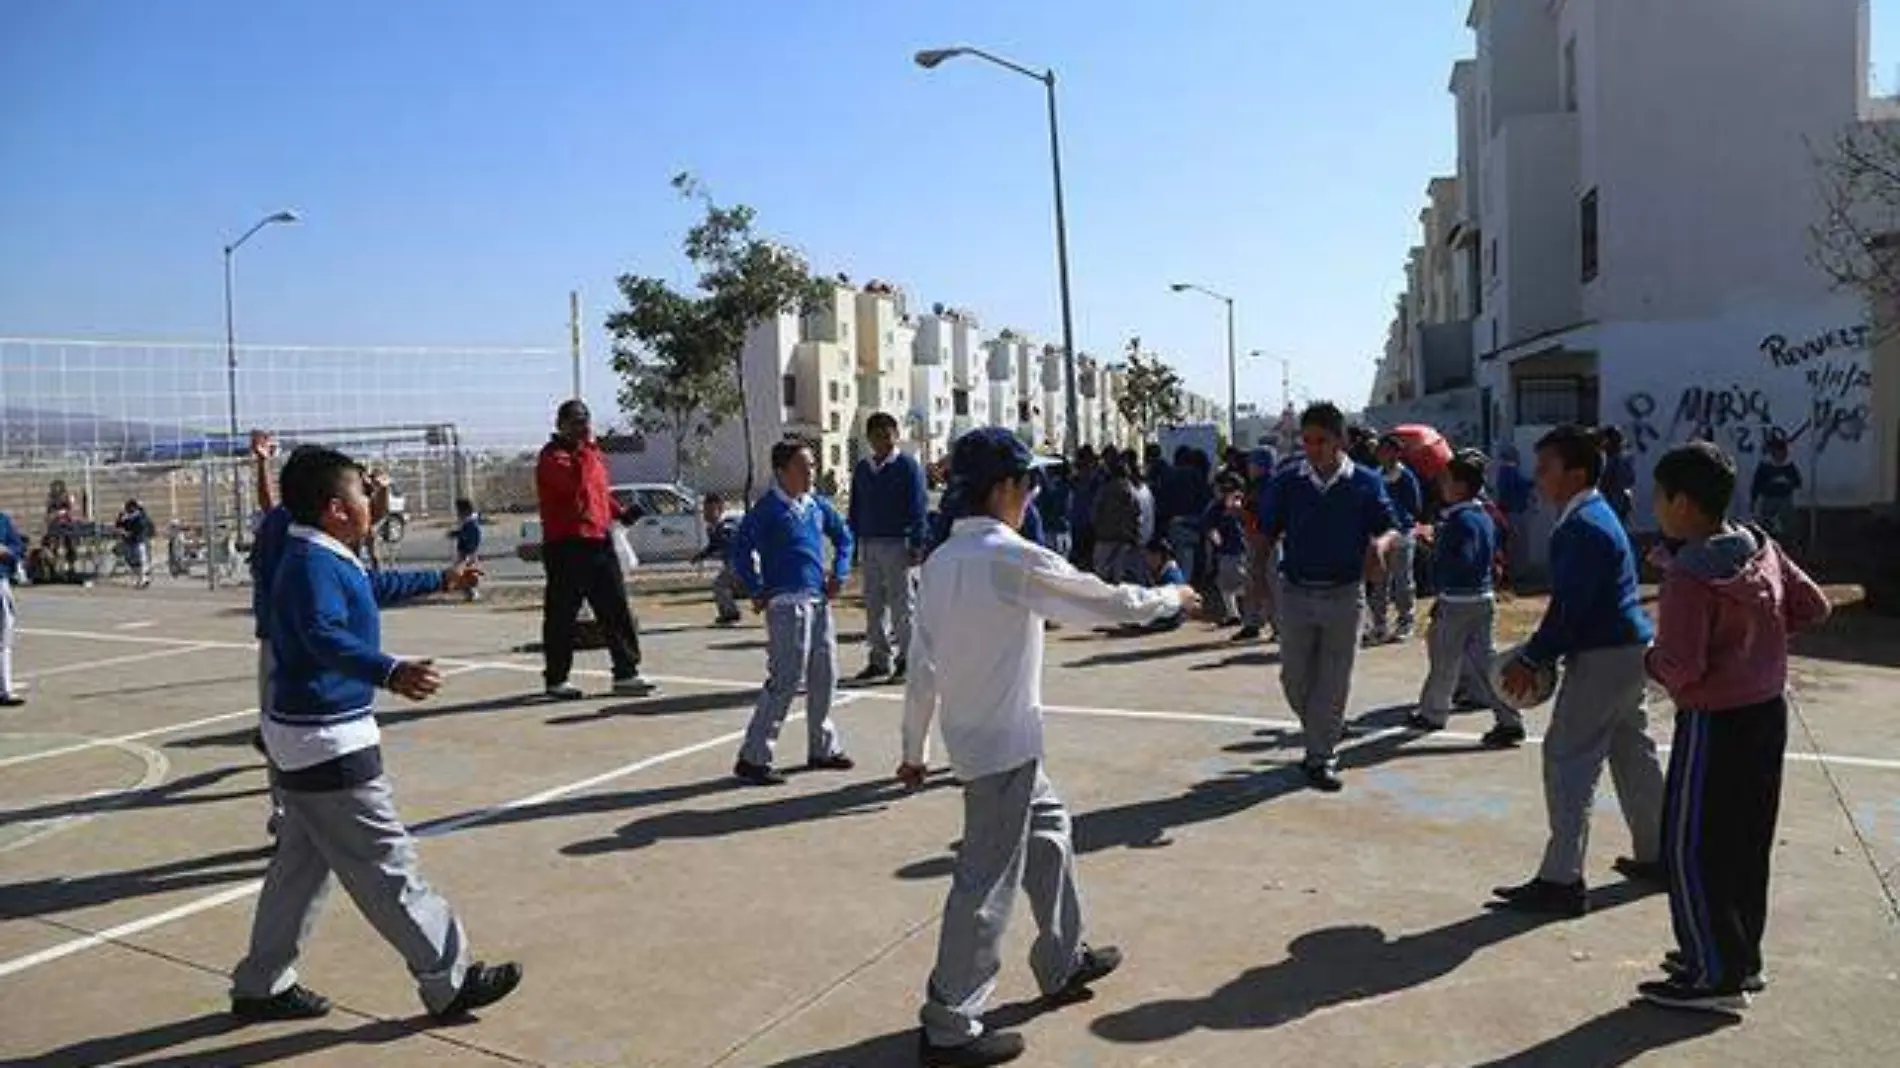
[
  {"x": 6, "y": 632},
  {"x": 1319, "y": 640},
  {"x": 1015, "y": 835},
  {"x": 890, "y": 593},
  {"x": 1459, "y": 648},
  {"x": 801, "y": 650},
  {"x": 1230, "y": 579},
  {"x": 1262, "y": 580},
  {"x": 265, "y": 662},
  {"x": 356, "y": 834},
  {"x": 1599, "y": 715},
  {"x": 725, "y": 591},
  {"x": 1396, "y": 589}
]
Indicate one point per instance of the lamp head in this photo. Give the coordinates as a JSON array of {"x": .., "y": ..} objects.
[
  {"x": 1181, "y": 287},
  {"x": 285, "y": 216},
  {"x": 929, "y": 58}
]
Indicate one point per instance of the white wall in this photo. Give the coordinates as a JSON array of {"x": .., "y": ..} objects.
[{"x": 1533, "y": 175}]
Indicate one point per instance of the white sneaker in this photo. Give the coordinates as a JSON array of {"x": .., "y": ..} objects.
[
  {"x": 635, "y": 685},
  {"x": 566, "y": 691}
]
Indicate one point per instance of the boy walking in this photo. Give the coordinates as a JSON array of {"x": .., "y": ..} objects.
[
  {"x": 787, "y": 530},
  {"x": 1595, "y": 625},
  {"x": 1337, "y": 530},
  {"x": 326, "y": 762},
  {"x": 888, "y": 506},
  {"x": 467, "y": 536},
  {"x": 12, "y": 556},
  {"x": 1259, "y": 611},
  {"x": 720, "y": 529},
  {"x": 1460, "y": 642},
  {"x": 1227, "y": 539},
  {"x": 1730, "y": 599},
  {"x": 977, "y": 658},
  {"x": 1396, "y": 588}
]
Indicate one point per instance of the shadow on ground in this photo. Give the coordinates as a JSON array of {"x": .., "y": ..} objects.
[
  {"x": 42, "y": 897},
  {"x": 775, "y": 809},
  {"x": 271, "y": 1049},
  {"x": 899, "y": 1049},
  {"x": 663, "y": 706},
  {"x": 164, "y": 795}
]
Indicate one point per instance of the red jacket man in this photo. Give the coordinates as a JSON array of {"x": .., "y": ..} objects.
[{"x": 577, "y": 516}]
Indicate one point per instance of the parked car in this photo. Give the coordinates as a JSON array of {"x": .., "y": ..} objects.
[{"x": 666, "y": 525}]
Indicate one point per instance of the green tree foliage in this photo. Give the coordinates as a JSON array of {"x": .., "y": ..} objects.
[{"x": 1151, "y": 390}]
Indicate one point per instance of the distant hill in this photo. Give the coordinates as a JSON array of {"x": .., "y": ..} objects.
[{"x": 24, "y": 430}]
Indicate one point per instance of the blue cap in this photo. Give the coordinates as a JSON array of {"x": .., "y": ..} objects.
[{"x": 987, "y": 455}]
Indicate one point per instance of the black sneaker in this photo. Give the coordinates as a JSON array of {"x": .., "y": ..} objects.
[
  {"x": 1546, "y": 898},
  {"x": 1503, "y": 736},
  {"x": 1677, "y": 967},
  {"x": 757, "y": 774},
  {"x": 1091, "y": 966},
  {"x": 899, "y": 670},
  {"x": 1247, "y": 633},
  {"x": 834, "y": 762},
  {"x": 990, "y": 1047},
  {"x": 11, "y": 700},
  {"x": 1675, "y": 994},
  {"x": 1418, "y": 721},
  {"x": 1322, "y": 778},
  {"x": 1640, "y": 871},
  {"x": 726, "y": 621},
  {"x": 871, "y": 673},
  {"x": 296, "y": 1002},
  {"x": 482, "y": 985}
]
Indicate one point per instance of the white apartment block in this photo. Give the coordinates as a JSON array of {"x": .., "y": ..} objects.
[
  {"x": 886, "y": 339},
  {"x": 1000, "y": 367},
  {"x": 969, "y": 374}
]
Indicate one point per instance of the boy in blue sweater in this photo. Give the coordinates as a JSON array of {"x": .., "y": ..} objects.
[
  {"x": 467, "y": 535},
  {"x": 787, "y": 530},
  {"x": 1227, "y": 540},
  {"x": 887, "y": 511},
  {"x": 1460, "y": 645},
  {"x": 12, "y": 555},
  {"x": 1337, "y": 530},
  {"x": 720, "y": 530},
  {"x": 326, "y": 761},
  {"x": 1595, "y": 625},
  {"x": 1396, "y": 590}
]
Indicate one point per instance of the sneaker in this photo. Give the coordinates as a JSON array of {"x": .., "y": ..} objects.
[
  {"x": 564, "y": 691},
  {"x": 726, "y": 621},
  {"x": 1322, "y": 778},
  {"x": 1675, "y": 994},
  {"x": 990, "y": 1047},
  {"x": 899, "y": 670},
  {"x": 757, "y": 774},
  {"x": 482, "y": 985},
  {"x": 11, "y": 700},
  {"x": 1677, "y": 967},
  {"x": 635, "y": 685},
  {"x": 1640, "y": 871},
  {"x": 295, "y": 1002},
  {"x": 1543, "y": 897},
  {"x": 1228, "y": 623},
  {"x": 1418, "y": 721},
  {"x": 1503, "y": 736},
  {"x": 1091, "y": 966},
  {"x": 1246, "y": 633},
  {"x": 871, "y": 673},
  {"x": 834, "y": 762}
]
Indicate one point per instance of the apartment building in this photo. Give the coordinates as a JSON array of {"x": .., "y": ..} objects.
[
  {"x": 969, "y": 374},
  {"x": 886, "y": 340},
  {"x": 1000, "y": 366}
]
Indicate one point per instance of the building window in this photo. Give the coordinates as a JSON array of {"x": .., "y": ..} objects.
[
  {"x": 1589, "y": 236},
  {"x": 789, "y": 386},
  {"x": 831, "y": 390},
  {"x": 834, "y": 422},
  {"x": 1570, "y": 74},
  {"x": 961, "y": 398},
  {"x": 1551, "y": 400},
  {"x": 837, "y": 458}
]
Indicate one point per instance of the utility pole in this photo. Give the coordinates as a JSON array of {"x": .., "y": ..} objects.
[{"x": 574, "y": 336}]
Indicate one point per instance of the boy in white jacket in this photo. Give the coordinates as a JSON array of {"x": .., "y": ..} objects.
[{"x": 976, "y": 652}]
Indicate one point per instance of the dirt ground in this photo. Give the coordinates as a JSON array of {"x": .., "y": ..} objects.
[{"x": 668, "y": 917}]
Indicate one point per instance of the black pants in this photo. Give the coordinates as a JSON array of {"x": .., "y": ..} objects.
[
  {"x": 582, "y": 569},
  {"x": 1723, "y": 796}
]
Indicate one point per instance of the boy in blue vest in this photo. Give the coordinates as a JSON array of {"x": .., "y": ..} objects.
[
  {"x": 1337, "y": 530},
  {"x": 1594, "y": 624},
  {"x": 888, "y": 506},
  {"x": 1227, "y": 540},
  {"x": 12, "y": 557},
  {"x": 1464, "y": 547},
  {"x": 326, "y": 761},
  {"x": 1396, "y": 589},
  {"x": 467, "y": 536},
  {"x": 787, "y": 529}
]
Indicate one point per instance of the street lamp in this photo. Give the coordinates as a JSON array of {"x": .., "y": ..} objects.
[
  {"x": 1233, "y": 374},
  {"x": 1286, "y": 376},
  {"x": 230, "y": 350},
  {"x": 929, "y": 59}
]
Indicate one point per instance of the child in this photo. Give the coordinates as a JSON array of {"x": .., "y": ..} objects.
[
  {"x": 1595, "y": 625},
  {"x": 720, "y": 529},
  {"x": 1515, "y": 496},
  {"x": 1227, "y": 537},
  {"x": 326, "y": 761},
  {"x": 1730, "y": 598},
  {"x": 1396, "y": 589},
  {"x": 468, "y": 539},
  {"x": 787, "y": 528},
  {"x": 1261, "y": 464},
  {"x": 976, "y": 657},
  {"x": 1338, "y": 530},
  {"x": 1163, "y": 572},
  {"x": 1460, "y": 646},
  {"x": 1771, "y": 494},
  {"x": 135, "y": 536},
  {"x": 12, "y": 550},
  {"x": 268, "y": 539},
  {"x": 889, "y": 503}
]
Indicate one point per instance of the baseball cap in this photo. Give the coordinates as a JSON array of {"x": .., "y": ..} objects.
[{"x": 987, "y": 455}]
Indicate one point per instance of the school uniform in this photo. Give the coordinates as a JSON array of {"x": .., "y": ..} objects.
[
  {"x": 468, "y": 546},
  {"x": 787, "y": 535},
  {"x": 1460, "y": 644},
  {"x": 1596, "y": 627},
  {"x": 326, "y": 761},
  {"x": 889, "y": 503},
  {"x": 1395, "y": 590},
  {"x": 10, "y": 564},
  {"x": 1230, "y": 557},
  {"x": 725, "y": 585},
  {"x": 1117, "y": 523},
  {"x": 269, "y": 539},
  {"x": 1325, "y": 526},
  {"x": 976, "y": 667}
]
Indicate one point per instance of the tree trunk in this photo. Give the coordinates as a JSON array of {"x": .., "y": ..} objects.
[{"x": 745, "y": 423}]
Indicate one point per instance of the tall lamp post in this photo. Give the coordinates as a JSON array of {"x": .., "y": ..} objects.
[
  {"x": 1233, "y": 373},
  {"x": 230, "y": 349},
  {"x": 929, "y": 59}
]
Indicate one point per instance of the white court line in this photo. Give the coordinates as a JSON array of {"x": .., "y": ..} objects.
[
  {"x": 137, "y": 624},
  {"x": 112, "y": 661},
  {"x": 133, "y": 639}
]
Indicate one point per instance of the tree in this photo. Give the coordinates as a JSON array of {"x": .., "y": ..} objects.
[
  {"x": 693, "y": 366},
  {"x": 1151, "y": 390},
  {"x": 1855, "y": 242}
]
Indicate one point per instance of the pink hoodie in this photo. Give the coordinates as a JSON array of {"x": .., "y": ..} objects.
[{"x": 1727, "y": 608}]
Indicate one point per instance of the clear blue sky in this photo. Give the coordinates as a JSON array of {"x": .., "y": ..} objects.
[{"x": 461, "y": 166}]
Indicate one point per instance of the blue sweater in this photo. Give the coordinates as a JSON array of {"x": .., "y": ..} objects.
[
  {"x": 1082, "y": 501},
  {"x": 1326, "y": 532},
  {"x": 790, "y": 547},
  {"x": 1408, "y": 500},
  {"x": 1593, "y": 599},
  {"x": 1464, "y": 544},
  {"x": 1054, "y": 504},
  {"x": 326, "y": 633},
  {"x": 468, "y": 536},
  {"x": 1515, "y": 490},
  {"x": 1233, "y": 533},
  {"x": 890, "y": 502},
  {"x": 16, "y": 549},
  {"x": 267, "y": 551}
]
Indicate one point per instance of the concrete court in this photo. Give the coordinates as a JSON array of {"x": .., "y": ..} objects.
[{"x": 667, "y": 917}]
